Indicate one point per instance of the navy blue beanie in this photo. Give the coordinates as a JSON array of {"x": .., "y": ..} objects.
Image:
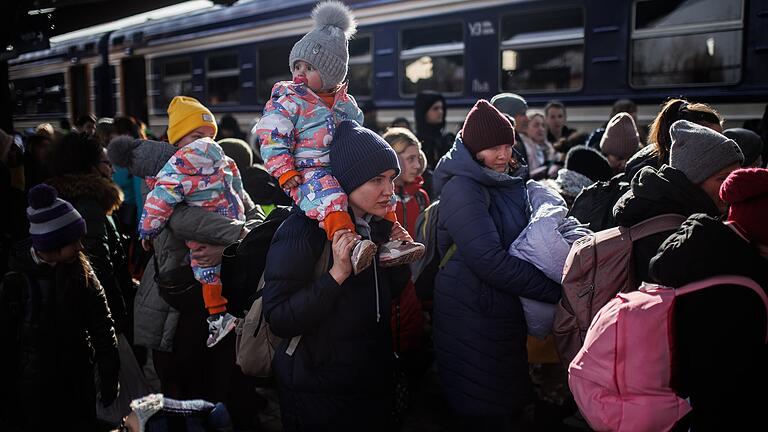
[{"x": 359, "y": 154}]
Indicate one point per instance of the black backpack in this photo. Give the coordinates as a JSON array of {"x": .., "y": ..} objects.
[
  {"x": 594, "y": 205},
  {"x": 243, "y": 263},
  {"x": 423, "y": 271}
]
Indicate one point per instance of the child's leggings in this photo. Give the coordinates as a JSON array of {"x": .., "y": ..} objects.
[{"x": 210, "y": 278}]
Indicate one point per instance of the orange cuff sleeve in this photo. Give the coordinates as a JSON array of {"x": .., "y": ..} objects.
[
  {"x": 336, "y": 221},
  {"x": 391, "y": 216},
  {"x": 214, "y": 301},
  {"x": 287, "y": 176}
]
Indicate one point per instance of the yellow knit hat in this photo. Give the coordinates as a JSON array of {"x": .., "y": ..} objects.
[{"x": 186, "y": 114}]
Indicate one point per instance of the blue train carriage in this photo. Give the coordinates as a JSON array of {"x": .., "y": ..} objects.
[{"x": 584, "y": 53}]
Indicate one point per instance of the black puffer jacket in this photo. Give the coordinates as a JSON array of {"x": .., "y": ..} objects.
[
  {"x": 52, "y": 326},
  {"x": 653, "y": 193},
  {"x": 720, "y": 332},
  {"x": 95, "y": 198},
  {"x": 339, "y": 377}
]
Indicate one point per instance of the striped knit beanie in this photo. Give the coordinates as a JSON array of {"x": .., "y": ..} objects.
[{"x": 53, "y": 222}]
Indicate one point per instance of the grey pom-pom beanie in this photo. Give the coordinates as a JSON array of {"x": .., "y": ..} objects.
[
  {"x": 699, "y": 152},
  {"x": 326, "y": 47}
]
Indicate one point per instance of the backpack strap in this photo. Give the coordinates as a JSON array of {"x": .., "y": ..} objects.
[
  {"x": 321, "y": 266},
  {"x": 726, "y": 280},
  {"x": 656, "y": 225}
]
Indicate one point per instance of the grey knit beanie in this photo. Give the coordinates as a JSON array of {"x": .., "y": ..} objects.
[
  {"x": 699, "y": 152},
  {"x": 359, "y": 154},
  {"x": 620, "y": 138},
  {"x": 326, "y": 46},
  {"x": 510, "y": 103}
]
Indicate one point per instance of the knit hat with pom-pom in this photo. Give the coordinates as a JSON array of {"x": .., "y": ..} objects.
[
  {"x": 326, "y": 47},
  {"x": 746, "y": 191},
  {"x": 53, "y": 222}
]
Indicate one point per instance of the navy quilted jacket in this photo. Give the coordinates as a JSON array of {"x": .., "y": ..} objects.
[{"x": 479, "y": 326}]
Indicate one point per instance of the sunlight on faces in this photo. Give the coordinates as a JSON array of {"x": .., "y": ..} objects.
[
  {"x": 410, "y": 165},
  {"x": 373, "y": 196},
  {"x": 305, "y": 73},
  {"x": 201, "y": 132},
  {"x": 555, "y": 118},
  {"x": 497, "y": 158},
  {"x": 536, "y": 129},
  {"x": 711, "y": 186}
]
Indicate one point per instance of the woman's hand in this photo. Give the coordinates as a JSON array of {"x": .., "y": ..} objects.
[
  {"x": 343, "y": 243},
  {"x": 399, "y": 233},
  {"x": 207, "y": 255}
]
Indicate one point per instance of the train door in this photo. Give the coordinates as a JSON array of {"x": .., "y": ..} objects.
[
  {"x": 134, "y": 91},
  {"x": 79, "y": 94}
]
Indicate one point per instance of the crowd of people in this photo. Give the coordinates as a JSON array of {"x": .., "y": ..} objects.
[{"x": 115, "y": 300}]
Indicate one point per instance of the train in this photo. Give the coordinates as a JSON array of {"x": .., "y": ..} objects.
[{"x": 584, "y": 53}]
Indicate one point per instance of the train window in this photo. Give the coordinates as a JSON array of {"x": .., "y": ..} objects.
[
  {"x": 701, "y": 41},
  {"x": 360, "y": 73},
  {"x": 432, "y": 58},
  {"x": 177, "y": 80},
  {"x": 223, "y": 78},
  {"x": 542, "y": 51},
  {"x": 39, "y": 95},
  {"x": 274, "y": 68}
]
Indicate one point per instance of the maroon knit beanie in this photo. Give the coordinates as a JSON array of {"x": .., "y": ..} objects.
[
  {"x": 746, "y": 190},
  {"x": 486, "y": 127}
]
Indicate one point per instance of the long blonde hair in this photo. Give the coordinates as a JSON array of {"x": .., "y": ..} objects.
[{"x": 400, "y": 138}]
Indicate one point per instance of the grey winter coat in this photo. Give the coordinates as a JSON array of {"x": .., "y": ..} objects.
[{"x": 155, "y": 320}]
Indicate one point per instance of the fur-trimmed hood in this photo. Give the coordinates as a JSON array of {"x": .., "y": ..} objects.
[{"x": 75, "y": 187}]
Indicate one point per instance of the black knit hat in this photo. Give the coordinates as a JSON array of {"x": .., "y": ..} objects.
[
  {"x": 588, "y": 162},
  {"x": 358, "y": 155}
]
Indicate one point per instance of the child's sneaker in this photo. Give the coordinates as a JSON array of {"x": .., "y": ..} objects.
[
  {"x": 219, "y": 325},
  {"x": 395, "y": 253},
  {"x": 362, "y": 255}
]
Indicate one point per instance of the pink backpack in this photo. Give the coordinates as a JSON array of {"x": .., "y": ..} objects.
[
  {"x": 598, "y": 267},
  {"x": 621, "y": 376}
]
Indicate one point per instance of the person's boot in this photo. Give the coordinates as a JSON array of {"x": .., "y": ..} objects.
[
  {"x": 395, "y": 253},
  {"x": 362, "y": 255},
  {"x": 219, "y": 325}
]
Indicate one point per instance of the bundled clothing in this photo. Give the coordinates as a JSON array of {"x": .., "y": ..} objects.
[
  {"x": 719, "y": 335},
  {"x": 653, "y": 193},
  {"x": 479, "y": 324},
  {"x": 56, "y": 322},
  {"x": 434, "y": 141},
  {"x": 96, "y": 198},
  {"x": 156, "y": 321},
  {"x": 295, "y": 134},
  {"x": 201, "y": 175},
  {"x": 545, "y": 242},
  {"x": 340, "y": 376}
]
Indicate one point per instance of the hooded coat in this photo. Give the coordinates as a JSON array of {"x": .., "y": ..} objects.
[
  {"x": 479, "y": 326},
  {"x": 340, "y": 376},
  {"x": 653, "y": 193},
  {"x": 434, "y": 141},
  {"x": 720, "y": 333}
]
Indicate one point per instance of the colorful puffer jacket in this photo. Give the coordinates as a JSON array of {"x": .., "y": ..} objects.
[
  {"x": 200, "y": 175},
  {"x": 297, "y": 127}
]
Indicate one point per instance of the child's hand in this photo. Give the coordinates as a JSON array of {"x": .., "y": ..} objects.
[
  {"x": 293, "y": 182},
  {"x": 146, "y": 244},
  {"x": 399, "y": 233}
]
